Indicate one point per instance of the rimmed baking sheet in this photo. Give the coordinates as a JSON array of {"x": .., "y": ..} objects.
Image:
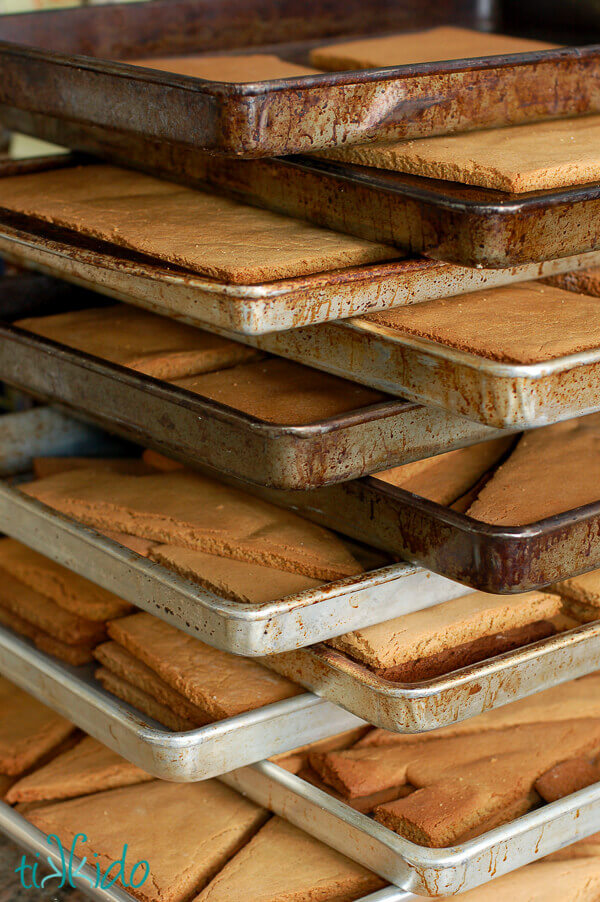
[
  {"x": 457, "y": 223},
  {"x": 269, "y": 628},
  {"x": 421, "y": 870},
  {"x": 498, "y": 559},
  {"x": 72, "y": 65},
  {"x": 431, "y": 704},
  {"x": 498, "y": 395},
  {"x": 204, "y": 432},
  {"x": 14, "y": 826},
  {"x": 250, "y": 309},
  {"x": 181, "y": 757}
]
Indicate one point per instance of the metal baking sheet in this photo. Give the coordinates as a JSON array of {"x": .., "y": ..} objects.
[
  {"x": 203, "y": 432},
  {"x": 252, "y": 309},
  {"x": 498, "y": 395},
  {"x": 277, "y": 626},
  {"x": 460, "y": 224},
  {"x": 425, "y": 871},
  {"x": 72, "y": 66},
  {"x": 14, "y": 826},
  {"x": 457, "y": 223},
  {"x": 435, "y": 703},
  {"x": 498, "y": 559},
  {"x": 181, "y": 757}
]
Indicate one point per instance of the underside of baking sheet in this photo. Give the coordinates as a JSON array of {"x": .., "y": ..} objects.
[
  {"x": 253, "y": 309},
  {"x": 431, "y": 704},
  {"x": 277, "y": 626},
  {"x": 180, "y": 757},
  {"x": 45, "y": 71},
  {"x": 421, "y": 870}
]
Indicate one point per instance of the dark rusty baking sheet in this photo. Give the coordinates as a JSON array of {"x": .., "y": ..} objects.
[
  {"x": 431, "y": 704},
  {"x": 72, "y": 65},
  {"x": 456, "y": 223},
  {"x": 495, "y": 394},
  {"x": 459, "y": 224},
  {"x": 259, "y": 308},
  {"x": 205, "y": 432},
  {"x": 498, "y": 559}
]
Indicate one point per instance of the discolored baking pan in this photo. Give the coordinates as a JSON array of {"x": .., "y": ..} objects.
[
  {"x": 181, "y": 757},
  {"x": 236, "y": 627},
  {"x": 251, "y": 309},
  {"x": 497, "y": 559},
  {"x": 495, "y": 394},
  {"x": 434, "y": 703},
  {"x": 456, "y": 223},
  {"x": 459, "y": 224},
  {"x": 425, "y": 871},
  {"x": 205, "y": 432},
  {"x": 71, "y": 65}
]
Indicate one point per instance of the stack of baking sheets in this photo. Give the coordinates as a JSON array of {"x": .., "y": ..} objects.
[
  {"x": 184, "y": 752},
  {"x": 345, "y": 382}
]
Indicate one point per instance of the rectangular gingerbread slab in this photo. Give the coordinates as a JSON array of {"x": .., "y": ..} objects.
[{"x": 32, "y": 841}]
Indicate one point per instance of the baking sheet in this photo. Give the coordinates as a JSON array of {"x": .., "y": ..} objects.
[
  {"x": 280, "y": 625},
  {"x": 203, "y": 432},
  {"x": 430, "y": 704},
  {"x": 497, "y": 559},
  {"x": 253, "y": 309},
  {"x": 498, "y": 395},
  {"x": 457, "y": 223},
  {"x": 71, "y": 66},
  {"x": 31, "y": 839},
  {"x": 181, "y": 757},
  {"x": 430, "y": 872}
]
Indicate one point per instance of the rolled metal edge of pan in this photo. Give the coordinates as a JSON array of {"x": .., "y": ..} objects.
[
  {"x": 439, "y": 702},
  {"x": 425, "y": 871},
  {"x": 198, "y": 754}
]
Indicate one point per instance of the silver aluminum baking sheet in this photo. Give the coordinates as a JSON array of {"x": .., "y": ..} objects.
[
  {"x": 181, "y": 757},
  {"x": 448, "y": 699},
  {"x": 500, "y": 395},
  {"x": 260, "y": 308},
  {"x": 14, "y": 826},
  {"x": 429, "y": 872},
  {"x": 265, "y": 629},
  {"x": 244, "y": 629}
]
